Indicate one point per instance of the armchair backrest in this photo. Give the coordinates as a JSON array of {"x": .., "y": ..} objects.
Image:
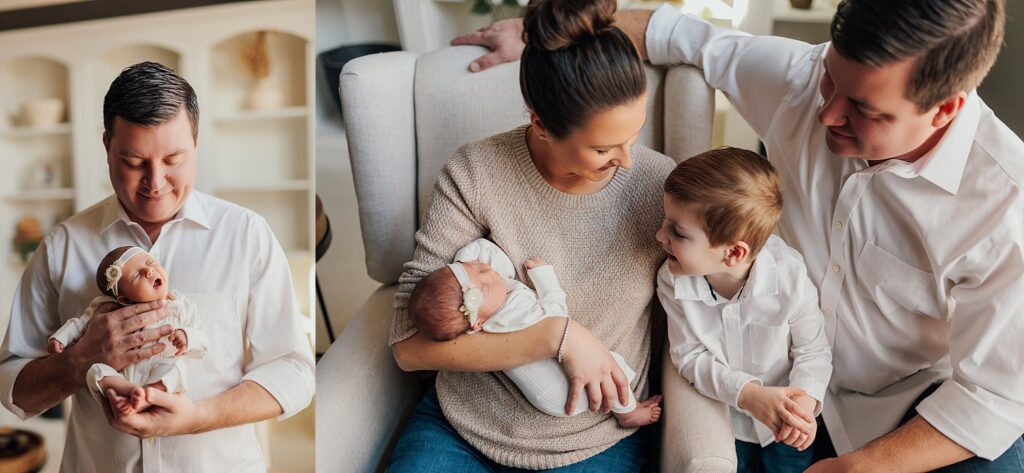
[{"x": 405, "y": 114}]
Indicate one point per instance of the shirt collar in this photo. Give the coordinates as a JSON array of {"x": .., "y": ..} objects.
[
  {"x": 944, "y": 164},
  {"x": 763, "y": 280},
  {"x": 114, "y": 212}
]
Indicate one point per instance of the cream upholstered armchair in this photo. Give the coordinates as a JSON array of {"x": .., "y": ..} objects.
[{"x": 404, "y": 115}]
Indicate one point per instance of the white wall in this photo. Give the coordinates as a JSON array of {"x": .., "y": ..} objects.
[{"x": 342, "y": 271}]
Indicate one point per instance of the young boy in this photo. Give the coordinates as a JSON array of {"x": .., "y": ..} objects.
[{"x": 743, "y": 317}]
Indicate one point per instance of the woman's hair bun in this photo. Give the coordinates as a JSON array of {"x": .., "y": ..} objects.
[{"x": 555, "y": 24}]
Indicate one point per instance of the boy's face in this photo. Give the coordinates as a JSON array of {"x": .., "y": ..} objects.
[
  {"x": 682, "y": 237},
  {"x": 143, "y": 279},
  {"x": 491, "y": 284},
  {"x": 867, "y": 115}
]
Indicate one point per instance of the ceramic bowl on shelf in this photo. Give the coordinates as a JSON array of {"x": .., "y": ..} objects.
[
  {"x": 801, "y": 4},
  {"x": 42, "y": 113}
]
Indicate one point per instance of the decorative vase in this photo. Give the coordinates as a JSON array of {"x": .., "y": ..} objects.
[
  {"x": 264, "y": 95},
  {"x": 801, "y": 4}
]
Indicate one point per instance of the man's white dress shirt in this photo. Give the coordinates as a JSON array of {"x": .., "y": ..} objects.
[
  {"x": 226, "y": 260},
  {"x": 920, "y": 267},
  {"x": 771, "y": 333}
]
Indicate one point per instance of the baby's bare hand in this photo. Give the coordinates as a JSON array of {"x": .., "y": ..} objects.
[
  {"x": 180, "y": 341},
  {"x": 54, "y": 347},
  {"x": 533, "y": 263}
]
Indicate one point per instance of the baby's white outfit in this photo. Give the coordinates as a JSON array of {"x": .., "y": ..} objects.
[
  {"x": 543, "y": 382},
  {"x": 771, "y": 333},
  {"x": 163, "y": 367}
]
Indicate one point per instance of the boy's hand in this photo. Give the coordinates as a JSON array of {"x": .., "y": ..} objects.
[
  {"x": 533, "y": 263},
  {"x": 774, "y": 408},
  {"x": 179, "y": 340},
  {"x": 53, "y": 346},
  {"x": 794, "y": 438}
]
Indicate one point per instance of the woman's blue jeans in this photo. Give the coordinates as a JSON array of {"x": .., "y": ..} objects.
[{"x": 430, "y": 444}]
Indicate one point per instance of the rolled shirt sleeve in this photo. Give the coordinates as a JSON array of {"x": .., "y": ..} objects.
[
  {"x": 755, "y": 73},
  {"x": 33, "y": 319},
  {"x": 981, "y": 407},
  {"x": 282, "y": 362},
  {"x": 810, "y": 349}
]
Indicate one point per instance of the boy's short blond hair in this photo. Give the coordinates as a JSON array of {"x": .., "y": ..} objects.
[{"x": 735, "y": 192}]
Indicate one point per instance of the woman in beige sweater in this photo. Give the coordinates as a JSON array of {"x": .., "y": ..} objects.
[{"x": 574, "y": 188}]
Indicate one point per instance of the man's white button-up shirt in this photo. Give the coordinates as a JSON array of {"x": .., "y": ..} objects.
[
  {"x": 921, "y": 265},
  {"x": 222, "y": 257},
  {"x": 772, "y": 333}
]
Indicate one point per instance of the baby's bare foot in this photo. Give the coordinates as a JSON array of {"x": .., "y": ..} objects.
[
  {"x": 647, "y": 412},
  {"x": 139, "y": 400},
  {"x": 122, "y": 404}
]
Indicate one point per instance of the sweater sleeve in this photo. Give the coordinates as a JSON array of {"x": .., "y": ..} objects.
[{"x": 449, "y": 224}]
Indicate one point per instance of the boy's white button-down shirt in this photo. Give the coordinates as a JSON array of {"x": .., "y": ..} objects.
[
  {"x": 772, "y": 333},
  {"x": 226, "y": 260},
  {"x": 920, "y": 267}
]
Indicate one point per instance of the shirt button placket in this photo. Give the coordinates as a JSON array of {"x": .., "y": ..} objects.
[
  {"x": 849, "y": 197},
  {"x": 151, "y": 455}
]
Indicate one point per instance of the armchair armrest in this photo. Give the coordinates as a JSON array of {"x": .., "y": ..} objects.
[
  {"x": 362, "y": 396},
  {"x": 697, "y": 435}
]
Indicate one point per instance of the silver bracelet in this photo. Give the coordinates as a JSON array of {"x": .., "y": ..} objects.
[{"x": 565, "y": 336}]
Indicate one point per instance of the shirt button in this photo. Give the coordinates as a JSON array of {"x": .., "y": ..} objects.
[
  {"x": 835, "y": 268},
  {"x": 839, "y": 225},
  {"x": 828, "y": 312}
]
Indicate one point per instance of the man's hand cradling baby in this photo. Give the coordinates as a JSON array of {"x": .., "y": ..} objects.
[{"x": 118, "y": 338}]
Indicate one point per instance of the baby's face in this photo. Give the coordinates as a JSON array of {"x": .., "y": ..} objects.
[
  {"x": 491, "y": 284},
  {"x": 143, "y": 279}
]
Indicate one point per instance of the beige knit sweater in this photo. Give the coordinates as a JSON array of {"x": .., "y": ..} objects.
[{"x": 603, "y": 249}]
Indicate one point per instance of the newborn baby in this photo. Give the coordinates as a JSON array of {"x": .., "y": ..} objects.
[
  {"x": 479, "y": 292},
  {"x": 128, "y": 275}
]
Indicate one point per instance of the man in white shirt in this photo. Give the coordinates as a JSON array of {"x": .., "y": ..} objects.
[
  {"x": 223, "y": 257},
  {"x": 904, "y": 197}
]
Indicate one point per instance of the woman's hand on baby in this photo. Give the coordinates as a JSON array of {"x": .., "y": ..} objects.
[
  {"x": 533, "y": 263},
  {"x": 179, "y": 339},
  {"x": 789, "y": 435},
  {"x": 118, "y": 338},
  {"x": 53, "y": 347},
  {"x": 590, "y": 366},
  {"x": 774, "y": 407}
]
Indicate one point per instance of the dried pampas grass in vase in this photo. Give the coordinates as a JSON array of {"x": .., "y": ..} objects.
[{"x": 264, "y": 94}]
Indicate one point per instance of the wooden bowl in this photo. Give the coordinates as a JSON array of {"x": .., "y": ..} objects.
[{"x": 21, "y": 451}]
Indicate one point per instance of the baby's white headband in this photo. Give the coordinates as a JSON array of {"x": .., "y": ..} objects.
[
  {"x": 472, "y": 297},
  {"x": 116, "y": 269}
]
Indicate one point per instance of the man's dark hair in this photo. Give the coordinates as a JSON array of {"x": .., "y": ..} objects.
[
  {"x": 149, "y": 94},
  {"x": 955, "y": 41}
]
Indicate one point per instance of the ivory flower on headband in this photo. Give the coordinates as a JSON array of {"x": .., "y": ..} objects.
[
  {"x": 472, "y": 296},
  {"x": 116, "y": 269}
]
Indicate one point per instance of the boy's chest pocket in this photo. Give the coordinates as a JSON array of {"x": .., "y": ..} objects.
[
  {"x": 767, "y": 344},
  {"x": 221, "y": 316}
]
